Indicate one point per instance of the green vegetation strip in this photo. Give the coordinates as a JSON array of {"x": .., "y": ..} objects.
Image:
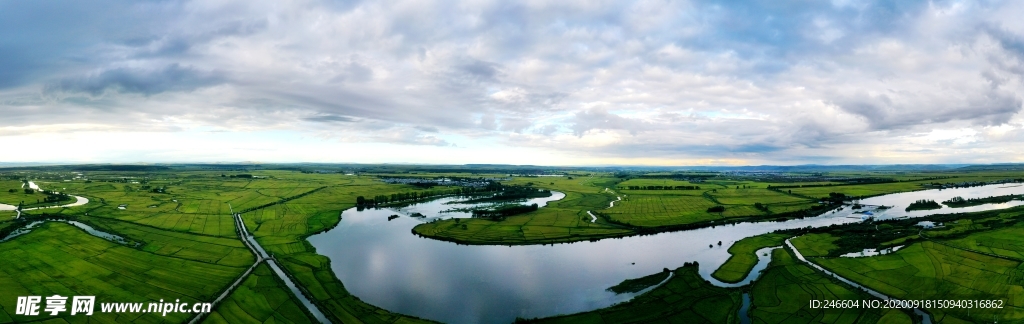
[
  {"x": 639, "y": 284},
  {"x": 743, "y": 256},
  {"x": 685, "y": 298},
  {"x": 960, "y": 202}
]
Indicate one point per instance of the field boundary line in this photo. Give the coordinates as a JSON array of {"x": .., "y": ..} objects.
[
  {"x": 227, "y": 292},
  {"x": 927, "y": 317},
  {"x": 970, "y": 250}
]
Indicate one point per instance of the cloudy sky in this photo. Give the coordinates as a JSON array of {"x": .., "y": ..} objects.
[{"x": 522, "y": 82}]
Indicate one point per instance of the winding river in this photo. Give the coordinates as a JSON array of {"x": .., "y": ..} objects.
[
  {"x": 79, "y": 201},
  {"x": 382, "y": 263}
]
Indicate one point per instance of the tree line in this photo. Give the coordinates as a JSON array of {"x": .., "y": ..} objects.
[
  {"x": 378, "y": 200},
  {"x": 661, "y": 187},
  {"x": 504, "y": 211}
]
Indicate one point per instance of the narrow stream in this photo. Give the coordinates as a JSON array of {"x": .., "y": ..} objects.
[
  {"x": 745, "y": 309},
  {"x": 262, "y": 255},
  {"x": 88, "y": 229}
]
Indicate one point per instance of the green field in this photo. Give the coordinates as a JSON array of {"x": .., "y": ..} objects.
[
  {"x": 262, "y": 298},
  {"x": 815, "y": 245},
  {"x": 60, "y": 259},
  {"x": 189, "y": 249},
  {"x": 973, "y": 257},
  {"x": 743, "y": 258},
  {"x": 783, "y": 292},
  {"x": 282, "y": 229},
  {"x": 565, "y": 220},
  {"x": 928, "y": 269}
]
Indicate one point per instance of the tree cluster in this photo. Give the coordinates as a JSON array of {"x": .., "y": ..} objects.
[
  {"x": 923, "y": 204},
  {"x": 378, "y": 200},
  {"x": 504, "y": 211}
]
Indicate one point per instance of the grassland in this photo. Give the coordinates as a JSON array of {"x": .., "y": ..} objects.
[
  {"x": 282, "y": 229},
  {"x": 57, "y": 258},
  {"x": 929, "y": 269},
  {"x": 190, "y": 220},
  {"x": 644, "y": 211},
  {"x": 783, "y": 292},
  {"x": 181, "y": 217},
  {"x": 815, "y": 245},
  {"x": 659, "y": 208},
  {"x": 262, "y": 298},
  {"x": 18, "y": 196},
  {"x": 975, "y": 256},
  {"x": 685, "y": 298},
  {"x": 859, "y": 190},
  {"x": 743, "y": 258},
  {"x": 565, "y": 220}
]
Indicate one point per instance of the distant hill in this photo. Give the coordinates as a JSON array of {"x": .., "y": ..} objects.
[
  {"x": 993, "y": 167},
  {"x": 829, "y": 168},
  {"x": 499, "y": 168}
]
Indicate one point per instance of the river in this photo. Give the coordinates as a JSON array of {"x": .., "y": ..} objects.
[{"x": 384, "y": 264}]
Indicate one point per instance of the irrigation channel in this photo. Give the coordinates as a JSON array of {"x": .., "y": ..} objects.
[
  {"x": 382, "y": 263},
  {"x": 261, "y": 256}
]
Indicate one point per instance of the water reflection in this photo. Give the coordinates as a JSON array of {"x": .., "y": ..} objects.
[{"x": 382, "y": 263}]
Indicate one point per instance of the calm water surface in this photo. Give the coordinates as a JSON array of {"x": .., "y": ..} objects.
[{"x": 384, "y": 264}]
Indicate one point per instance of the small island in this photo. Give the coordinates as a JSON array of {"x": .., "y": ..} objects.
[
  {"x": 923, "y": 204},
  {"x": 960, "y": 202}
]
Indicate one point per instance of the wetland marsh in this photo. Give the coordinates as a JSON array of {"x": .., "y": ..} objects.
[{"x": 429, "y": 259}]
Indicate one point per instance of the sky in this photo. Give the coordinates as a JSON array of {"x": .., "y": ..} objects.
[{"x": 514, "y": 82}]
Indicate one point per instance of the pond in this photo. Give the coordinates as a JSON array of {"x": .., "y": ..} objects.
[{"x": 384, "y": 264}]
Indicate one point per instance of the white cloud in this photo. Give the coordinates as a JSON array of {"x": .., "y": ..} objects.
[{"x": 643, "y": 81}]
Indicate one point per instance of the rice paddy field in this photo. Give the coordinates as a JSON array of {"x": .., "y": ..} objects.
[
  {"x": 929, "y": 269},
  {"x": 61, "y": 259},
  {"x": 262, "y": 298},
  {"x": 189, "y": 248},
  {"x": 976, "y": 257},
  {"x": 782, "y": 295}
]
